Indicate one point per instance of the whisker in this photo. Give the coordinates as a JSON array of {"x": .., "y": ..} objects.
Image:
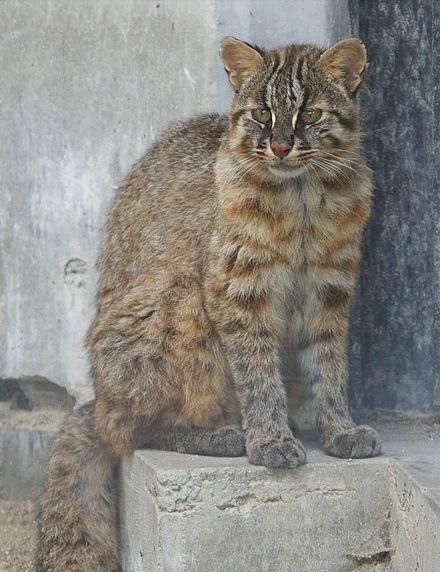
[{"x": 331, "y": 169}]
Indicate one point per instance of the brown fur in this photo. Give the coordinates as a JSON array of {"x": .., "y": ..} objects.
[{"x": 218, "y": 254}]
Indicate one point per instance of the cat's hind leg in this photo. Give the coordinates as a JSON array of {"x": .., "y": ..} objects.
[
  {"x": 159, "y": 377},
  {"x": 228, "y": 441}
]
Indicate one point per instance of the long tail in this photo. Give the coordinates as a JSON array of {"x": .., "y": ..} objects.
[{"x": 77, "y": 517}]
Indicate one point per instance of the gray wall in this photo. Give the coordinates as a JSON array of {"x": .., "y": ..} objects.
[
  {"x": 85, "y": 87},
  {"x": 396, "y": 323}
]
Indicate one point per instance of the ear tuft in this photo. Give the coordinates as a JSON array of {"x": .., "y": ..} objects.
[
  {"x": 241, "y": 60},
  {"x": 346, "y": 60}
]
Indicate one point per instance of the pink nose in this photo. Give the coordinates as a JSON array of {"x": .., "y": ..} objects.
[{"x": 280, "y": 148}]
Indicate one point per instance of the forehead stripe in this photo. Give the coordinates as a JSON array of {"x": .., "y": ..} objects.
[
  {"x": 299, "y": 69},
  {"x": 272, "y": 79}
]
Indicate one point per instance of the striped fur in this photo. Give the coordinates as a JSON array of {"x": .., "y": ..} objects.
[{"x": 218, "y": 254}]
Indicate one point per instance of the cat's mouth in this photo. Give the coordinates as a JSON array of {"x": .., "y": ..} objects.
[
  {"x": 288, "y": 171},
  {"x": 292, "y": 166}
]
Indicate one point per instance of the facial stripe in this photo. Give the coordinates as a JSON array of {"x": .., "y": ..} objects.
[
  {"x": 294, "y": 119},
  {"x": 347, "y": 122},
  {"x": 273, "y": 80},
  {"x": 265, "y": 133},
  {"x": 297, "y": 91},
  {"x": 271, "y": 73},
  {"x": 298, "y": 71}
]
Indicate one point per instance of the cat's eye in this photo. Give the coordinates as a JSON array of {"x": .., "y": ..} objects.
[
  {"x": 262, "y": 115},
  {"x": 311, "y": 115}
]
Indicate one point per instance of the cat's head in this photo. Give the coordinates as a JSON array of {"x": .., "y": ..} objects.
[{"x": 294, "y": 109}]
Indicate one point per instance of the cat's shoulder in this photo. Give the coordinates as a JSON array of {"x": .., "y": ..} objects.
[
  {"x": 203, "y": 132},
  {"x": 186, "y": 148}
]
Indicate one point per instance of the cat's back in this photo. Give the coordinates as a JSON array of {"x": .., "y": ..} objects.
[{"x": 162, "y": 217}]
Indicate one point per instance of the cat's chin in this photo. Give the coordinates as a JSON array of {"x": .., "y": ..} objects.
[{"x": 283, "y": 171}]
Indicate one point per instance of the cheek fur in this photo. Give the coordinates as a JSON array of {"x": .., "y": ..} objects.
[
  {"x": 264, "y": 136},
  {"x": 327, "y": 135},
  {"x": 251, "y": 136},
  {"x": 244, "y": 138}
]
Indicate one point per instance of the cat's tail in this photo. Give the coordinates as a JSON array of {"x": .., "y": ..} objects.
[{"x": 77, "y": 516}]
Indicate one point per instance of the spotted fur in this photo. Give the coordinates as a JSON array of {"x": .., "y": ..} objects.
[{"x": 217, "y": 254}]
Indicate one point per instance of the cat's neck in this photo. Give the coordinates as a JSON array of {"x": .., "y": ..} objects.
[{"x": 246, "y": 200}]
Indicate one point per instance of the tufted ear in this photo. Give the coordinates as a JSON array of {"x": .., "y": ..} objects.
[
  {"x": 241, "y": 60},
  {"x": 346, "y": 60}
]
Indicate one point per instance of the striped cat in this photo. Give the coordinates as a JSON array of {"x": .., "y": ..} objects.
[{"x": 230, "y": 251}]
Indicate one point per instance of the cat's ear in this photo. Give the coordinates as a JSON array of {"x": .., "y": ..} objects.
[
  {"x": 241, "y": 60},
  {"x": 346, "y": 61}
]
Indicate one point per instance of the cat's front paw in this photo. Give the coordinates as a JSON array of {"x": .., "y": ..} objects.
[
  {"x": 354, "y": 443},
  {"x": 276, "y": 452}
]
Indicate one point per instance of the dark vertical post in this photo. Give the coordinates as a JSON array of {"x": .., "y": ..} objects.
[{"x": 395, "y": 347}]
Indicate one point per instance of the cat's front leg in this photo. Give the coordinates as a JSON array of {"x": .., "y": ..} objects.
[
  {"x": 245, "y": 320},
  {"x": 323, "y": 357},
  {"x": 252, "y": 355}
]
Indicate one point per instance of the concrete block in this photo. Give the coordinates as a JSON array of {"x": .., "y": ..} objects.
[
  {"x": 416, "y": 525},
  {"x": 35, "y": 392},
  {"x": 181, "y": 513}
]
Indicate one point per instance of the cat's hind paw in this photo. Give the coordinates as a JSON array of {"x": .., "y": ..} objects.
[{"x": 228, "y": 442}]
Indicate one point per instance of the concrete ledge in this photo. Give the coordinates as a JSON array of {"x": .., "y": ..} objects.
[
  {"x": 26, "y": 439},
  {"x": 182, "y": 513},
  {"x": 23, "y": 457}
]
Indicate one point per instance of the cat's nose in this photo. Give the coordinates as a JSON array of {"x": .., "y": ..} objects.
[{"x": 280, "y": 148}]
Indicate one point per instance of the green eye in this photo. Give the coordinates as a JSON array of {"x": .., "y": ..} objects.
[
  {"x": 262, "y": 115},
  {"x": 311, "y": 115}
]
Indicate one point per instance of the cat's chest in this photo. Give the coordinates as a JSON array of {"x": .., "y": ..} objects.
[{"x": 311, "y": 229}]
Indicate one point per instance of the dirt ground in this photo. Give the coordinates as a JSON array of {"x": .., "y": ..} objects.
[{"x": 17, "y": 536}]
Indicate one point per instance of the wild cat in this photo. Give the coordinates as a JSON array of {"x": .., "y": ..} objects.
[{"x": 234, "y": 238}]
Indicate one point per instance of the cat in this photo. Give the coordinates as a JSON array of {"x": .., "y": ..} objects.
[{"x": 232, "y": 238}]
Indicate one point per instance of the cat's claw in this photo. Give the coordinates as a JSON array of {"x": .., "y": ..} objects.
[
  {"x": 276, "y": 452},
  {"x": 354, "y": 443}
]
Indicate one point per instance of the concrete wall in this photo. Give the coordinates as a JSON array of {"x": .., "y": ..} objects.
[{"x": 86, "y": 86}]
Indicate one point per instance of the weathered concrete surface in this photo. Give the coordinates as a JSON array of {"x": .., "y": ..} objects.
[
  {"x": 185, "y": 513},
  {"x": 415, "y": 525},
  {"x": 23, "y": 457},
  {"x": 193, "y": 514},
  {"x": 26, "y": 439},
  {"x": 86, "y": 87}
]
